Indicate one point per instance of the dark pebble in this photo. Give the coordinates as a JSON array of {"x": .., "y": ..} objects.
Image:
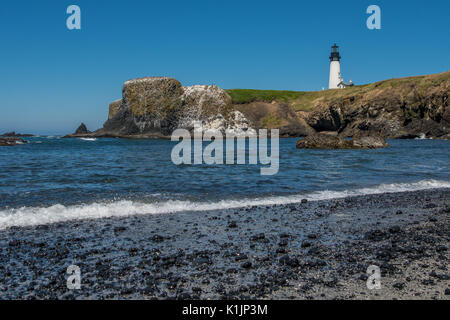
[
  {"x": 306, "y": 244},
  {"x": 399, "y": 285},
  {"x": 232, "y": 224}
]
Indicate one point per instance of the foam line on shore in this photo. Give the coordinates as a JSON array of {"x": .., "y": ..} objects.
[{"x": 32, "y": 216}]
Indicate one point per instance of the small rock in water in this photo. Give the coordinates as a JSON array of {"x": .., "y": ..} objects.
[{"x": 82, "y": 129}]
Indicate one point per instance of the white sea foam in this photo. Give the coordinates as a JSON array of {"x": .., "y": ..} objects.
[
  {"x": 88, "y": 139},
  {"x": 31, "y": 216},
  {"x": 423, "y": 136}
]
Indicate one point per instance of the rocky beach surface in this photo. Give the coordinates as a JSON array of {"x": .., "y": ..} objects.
[{"x": 306, "y": 250}]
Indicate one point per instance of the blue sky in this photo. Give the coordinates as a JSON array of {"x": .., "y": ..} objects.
[{"x": 52, "y": 78}]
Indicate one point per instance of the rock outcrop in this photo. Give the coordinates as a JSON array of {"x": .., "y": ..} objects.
[
  {"x": 14, "y": 134},
  {"x": 81, "y": 132},
  {"x": 369, "y": 141},
  {"x": 82, "y": 129},
  {"x": 203, "y": 103},
  {"x": 156, "y": 106},
  {"x": 398, "y": 108},
  {"x": 275, "y": 115},
  {"x": 327, "y": 141},
  {"x": 149, "y": 106},
  {"x": 9, "y": 142},
  {"x": 211, "y": 106},
  {"x": 114, "y": 108}
]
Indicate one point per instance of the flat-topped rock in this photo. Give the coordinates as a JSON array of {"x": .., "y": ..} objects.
[
  {"x": 326, "y": 141},
  {"x": 149, "y": 105},
  {"x": 156, "y": 96},
  {"x": 370, "y": 142},
  {"x": 14, "y": 134},
  {"x": 156, "y": 106},
  {"x": 10, "y": 141}
]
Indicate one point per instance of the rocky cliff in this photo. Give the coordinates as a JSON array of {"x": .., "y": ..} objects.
[
  {"x": 397, "y": 108},
  {"x": 275, "y": 115},
  {"x": 156, "y": 106}
]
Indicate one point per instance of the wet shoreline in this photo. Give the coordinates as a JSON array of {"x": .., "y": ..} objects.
[{"x": 313, "y": 250}]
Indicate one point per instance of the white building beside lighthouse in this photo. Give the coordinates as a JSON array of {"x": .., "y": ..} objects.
[{"x": 336, "y": 81}]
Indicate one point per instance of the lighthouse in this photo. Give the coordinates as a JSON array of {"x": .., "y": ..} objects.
[
  {"x": 336, "y": 81},
  {"x": 335, "y": 68}
]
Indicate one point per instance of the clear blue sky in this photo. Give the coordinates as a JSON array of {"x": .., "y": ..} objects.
[{"x": 52, "y": 78}]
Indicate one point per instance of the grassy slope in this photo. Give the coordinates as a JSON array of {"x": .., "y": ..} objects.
[{"x": 306, "y": 101}]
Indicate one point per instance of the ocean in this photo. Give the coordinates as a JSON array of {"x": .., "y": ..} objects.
[{"x": 55, "y": 180}]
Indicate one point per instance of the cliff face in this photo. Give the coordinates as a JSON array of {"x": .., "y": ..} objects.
[
  {"x": 156, "y": 106},
  {"x": 148, "y": 106},
  {"x": 114, "y": 108},
  {"x": 400, "y": 108},
  {"x": 275, "y": 115},
  {"x": 397, "y": 108}
]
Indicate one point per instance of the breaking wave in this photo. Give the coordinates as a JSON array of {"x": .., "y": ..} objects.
[{"x": 32, "y": 216}]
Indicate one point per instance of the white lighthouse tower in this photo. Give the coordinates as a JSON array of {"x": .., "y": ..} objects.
[
  {"x": 335, "y": 68},
  {"x": 336, "y": 80}
]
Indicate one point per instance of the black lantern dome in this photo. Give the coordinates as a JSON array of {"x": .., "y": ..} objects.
[{"x": 335, "y": 53}]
